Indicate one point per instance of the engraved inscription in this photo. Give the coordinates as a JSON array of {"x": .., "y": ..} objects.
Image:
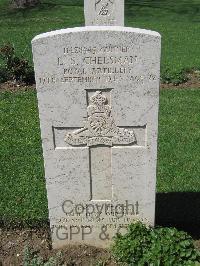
[
  {"x": 100, "y": 128},
  {"x": 104, "y": 8},
  {"x": 94, "y": 50},
  {"x": 97, "y": 64}
]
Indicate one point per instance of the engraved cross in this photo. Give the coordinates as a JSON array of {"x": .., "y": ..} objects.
[{"x": 100, "y": 134}]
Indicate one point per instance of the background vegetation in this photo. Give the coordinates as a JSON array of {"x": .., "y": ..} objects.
[{"x": 177, "y": 21}]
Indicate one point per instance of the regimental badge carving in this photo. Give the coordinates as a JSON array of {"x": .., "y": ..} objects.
[
  {"x": 100, "y": 128},
  {"x": 104, "y": 10}
]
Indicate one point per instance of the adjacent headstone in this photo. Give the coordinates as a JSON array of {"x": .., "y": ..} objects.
[
  {"x": 98, "y": 96},
  {"x": 104, "y": 12}
]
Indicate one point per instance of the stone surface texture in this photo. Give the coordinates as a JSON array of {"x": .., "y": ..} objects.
[
  {"x": 98, "y": 96},
  {"x": 104, "y": 12}
]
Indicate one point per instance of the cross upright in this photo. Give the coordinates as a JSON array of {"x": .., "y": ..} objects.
[{"x": 104, "y": 12}]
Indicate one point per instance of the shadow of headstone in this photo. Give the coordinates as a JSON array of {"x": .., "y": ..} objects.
[{"x": 180, "y": 210}]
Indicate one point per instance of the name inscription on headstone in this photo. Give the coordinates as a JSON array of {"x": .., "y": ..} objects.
[{"x": 105, "y": 64}]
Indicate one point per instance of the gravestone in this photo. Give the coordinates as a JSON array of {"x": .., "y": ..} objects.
[
  {"x": 104, "y": 12},
  {"x": 98, "y": 97}
]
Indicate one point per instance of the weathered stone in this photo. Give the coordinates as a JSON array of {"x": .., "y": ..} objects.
[
  {"x": 98, "y": 95},
  {"x": 104, "y": 12}
]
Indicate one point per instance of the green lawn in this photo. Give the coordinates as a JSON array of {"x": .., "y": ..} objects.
[
  {"x": 22, "y": 183},
  {"x": 179, "y": 141},
  {"x": 177, "y": 21}
]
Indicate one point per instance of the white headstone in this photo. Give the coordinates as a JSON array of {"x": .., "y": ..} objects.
[
  {"x": 104, "y": 12},
  {"x": 98, "y": 95}
]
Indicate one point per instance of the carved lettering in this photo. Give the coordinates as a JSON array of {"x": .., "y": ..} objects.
[
  {"x": 94, "y": 50},
  {"x": 94, "y": 78},
  {"x": 74, "y": 71},
  {"x": 103, "y": 60}
]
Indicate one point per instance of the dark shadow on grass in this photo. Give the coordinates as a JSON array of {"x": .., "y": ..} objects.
[{"x": 180, "y": 210}]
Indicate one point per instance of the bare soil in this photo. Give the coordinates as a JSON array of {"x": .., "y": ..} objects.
[
  {"x": 14, "y": 86},
  {"x": 13, "y": 243},
  {"x": 193, "y": 82}
]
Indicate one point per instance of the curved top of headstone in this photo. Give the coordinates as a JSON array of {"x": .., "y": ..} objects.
[{"x": 96, "y": 28}]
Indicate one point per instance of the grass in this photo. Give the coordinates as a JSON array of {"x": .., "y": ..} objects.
[
  {"x": 179, "y": 24},
  {"x": 23, "y": 194},
  {"x": 179, "y": 139},
  {"x": 177, "y": 21},
  {"x": 22, "y": 181}
]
